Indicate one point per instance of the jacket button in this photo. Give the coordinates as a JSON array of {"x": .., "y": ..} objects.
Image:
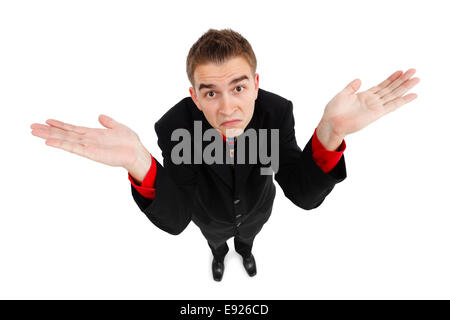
[
  {"x": 239, "y": 224},
  {"x": 237, "y": 201},
  {"x": 238, "y": 216}
]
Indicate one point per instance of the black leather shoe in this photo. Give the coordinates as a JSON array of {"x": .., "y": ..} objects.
[
  {"x": 217, "y": 269},
  {"x": 250, "y": 265}
]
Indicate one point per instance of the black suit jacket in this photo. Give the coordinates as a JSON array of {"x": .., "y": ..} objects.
[{"x": 220, "y": 198}]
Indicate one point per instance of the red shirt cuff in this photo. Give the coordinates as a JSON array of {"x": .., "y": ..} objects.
[
  {"x": 324, "y": 158},
  {"x": 146, "y": 188}
]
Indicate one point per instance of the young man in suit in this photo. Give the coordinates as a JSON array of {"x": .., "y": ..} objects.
[{"x": 229, "y": 198}]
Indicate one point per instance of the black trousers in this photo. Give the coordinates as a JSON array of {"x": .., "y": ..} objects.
[
  {"x": 244, "y": 236},
  {"x": 241, "y": 245}
]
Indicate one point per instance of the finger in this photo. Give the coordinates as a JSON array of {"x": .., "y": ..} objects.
[
  {"x": 352, "y": 87},
  {"x": 395, "y": 84},
  {"x": 398, "y": 102},
  {"x": 401, "y": 90},
  {"x": 38, "y": 126},
  {"x": 107, "y": 122},
  {"x": 48, "y": 132},
  {"x": 66, "y": 126},
  {"x": 75, "y": 148},
  {"x": 40, "y": 130},
  {"x": 386, "y": 82}
]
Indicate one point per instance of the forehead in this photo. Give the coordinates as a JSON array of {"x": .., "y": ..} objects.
[{"x": 212, "y": 73}]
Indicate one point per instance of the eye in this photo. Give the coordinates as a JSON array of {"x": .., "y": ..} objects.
[
  {"x": 242, "y": 88},
  {"x": 208, "y": 94}
]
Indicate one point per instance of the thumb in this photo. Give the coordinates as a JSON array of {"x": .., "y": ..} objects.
[
  {"x": 352, "y": 87},
  {"x": 107, "y": 122}
]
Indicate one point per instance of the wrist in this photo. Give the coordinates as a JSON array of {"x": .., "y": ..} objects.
[
  {"x": 139, "y": 168},
  {"x": 328, "y": 136}
]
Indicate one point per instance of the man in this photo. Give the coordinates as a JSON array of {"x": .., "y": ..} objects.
[{"x": 230, "y": 198}]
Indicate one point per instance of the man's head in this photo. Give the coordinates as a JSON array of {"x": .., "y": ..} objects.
[{"x": 221, "y": 67}]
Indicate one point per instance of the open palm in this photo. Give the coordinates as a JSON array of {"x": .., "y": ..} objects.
[
  {"x": 350, "y": 112},
  {"x": 114, "y": 146}
]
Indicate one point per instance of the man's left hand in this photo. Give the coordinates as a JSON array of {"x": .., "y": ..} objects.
[{"x": 349, "y": 112}]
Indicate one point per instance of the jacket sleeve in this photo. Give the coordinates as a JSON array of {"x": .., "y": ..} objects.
[
  {"x": 300, "y": 177},
  {"x": 174, "y": 190}
]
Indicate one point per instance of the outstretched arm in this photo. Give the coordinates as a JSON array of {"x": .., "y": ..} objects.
[{"x": 170, "y": 209}]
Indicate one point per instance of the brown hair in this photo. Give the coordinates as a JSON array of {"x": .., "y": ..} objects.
[{"x": 217, "y": 46}]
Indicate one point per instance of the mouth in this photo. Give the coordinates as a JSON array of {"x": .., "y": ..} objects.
[{"x": 230, "y": 123}]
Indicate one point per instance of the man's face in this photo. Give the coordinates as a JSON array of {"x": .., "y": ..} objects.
[{"x": 226, "y": 92}]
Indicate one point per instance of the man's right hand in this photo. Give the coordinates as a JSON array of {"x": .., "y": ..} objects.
[{"x": 117, "y": 145}]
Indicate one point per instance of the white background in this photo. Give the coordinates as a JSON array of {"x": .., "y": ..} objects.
[{"x": 69, "y": 227}]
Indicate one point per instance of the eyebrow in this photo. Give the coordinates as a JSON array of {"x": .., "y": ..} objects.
[{"x": 209, "y": 86}]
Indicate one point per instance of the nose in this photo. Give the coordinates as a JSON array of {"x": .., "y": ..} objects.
[{"x": 227, "y": 107}]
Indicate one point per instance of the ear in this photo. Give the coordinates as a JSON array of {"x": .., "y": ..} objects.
[
  {"x": 194, "y": 97},
  {"x": 256, "y": 79}
]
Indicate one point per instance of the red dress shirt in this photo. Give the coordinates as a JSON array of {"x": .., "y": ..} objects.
[{"x": 324, "y": 158}]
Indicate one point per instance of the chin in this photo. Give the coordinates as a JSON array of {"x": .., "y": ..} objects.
[{"x": 232, "y": 132}]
